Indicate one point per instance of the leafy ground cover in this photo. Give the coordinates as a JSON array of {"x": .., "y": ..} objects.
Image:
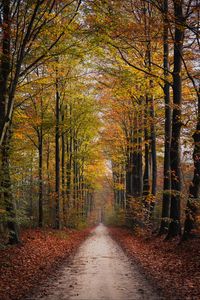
[
  {"x": 25, "y": 266},
  {"x": 172, "y": 266}
]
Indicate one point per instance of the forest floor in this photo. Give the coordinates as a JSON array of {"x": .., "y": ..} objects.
[
  {"x": 41, "y": 252},
  {"x": 173, "y": 266},
  {"x": 99, "y": 270},
  {"x": 44, "y": 261}
]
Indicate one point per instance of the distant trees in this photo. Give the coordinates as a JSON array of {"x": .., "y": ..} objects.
[
  {"x": 114, "y": 83},
  {"x": 33, "y": 34},
  {"x": 21, "y": 24},
  {"x": 162, "y": 59}
]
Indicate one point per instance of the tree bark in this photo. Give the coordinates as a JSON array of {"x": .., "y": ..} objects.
[
  {"x": 40, "y": 169},
  {"x": 174, "y": 227},
  {"x": 128, "y": 181},
  {"x": 5, "y": 134},
  {"x": 48, "y": 182},
  {"x": 146, "y": 184},
  {"x": 167, "y": 179},
  {"x": 75, "y": 173},
  {"x": 134, "y": 153},
  {"x": 150, "y": 113},
  {"x": 7, "y": 192},
  {"x": 63, "y": 168},
  {"x": 57, "y": 159},
  {"x": 5, "y": 69},
  {"x": 192, "y": 208},
  {"x": 69, "y": 168},
  {"x": 153, "y": 153},
  {"x": 128, "y": 171}
]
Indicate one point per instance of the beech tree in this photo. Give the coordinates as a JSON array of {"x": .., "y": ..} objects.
[
  {"x": 23, "y": 25},
  {"x": 103, "y": 90},
  {"x": 166, "y": 89},
  {"x": 138, "y": 19}
]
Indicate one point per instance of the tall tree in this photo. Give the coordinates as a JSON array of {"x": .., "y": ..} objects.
[
  {"x": 5, "y": 134},
  {"x": 166, "y": 89},
  {"x": 192, "y": 208},
  {"x": 175, "y": 155},
  {"x": 57, "y": 156}
]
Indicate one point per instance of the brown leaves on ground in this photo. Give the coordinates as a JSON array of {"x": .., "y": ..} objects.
[
  {"x": 24, "y": 266},
  {"x": 173, "y": 267}
]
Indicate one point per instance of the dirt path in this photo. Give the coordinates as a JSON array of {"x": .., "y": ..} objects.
[{"x": 99, "y": 270}]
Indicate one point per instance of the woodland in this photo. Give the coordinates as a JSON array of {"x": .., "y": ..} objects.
[{"x": 100, "y": 118}]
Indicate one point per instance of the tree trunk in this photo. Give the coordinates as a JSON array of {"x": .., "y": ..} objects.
[
  {"x": 57, "y": 159},
  {"x": 7, "y": 192},
  {"x": 146, "y": 185},
  {"x": 5, "y": 134},
  {"x": 4, "y": 69},
  {"x": 149, "y": 114},
  {"x": 167, "y": 179},
  {"x": 63, "y": 169},
  {"x": 69, "y": 158},
  {"x": 75, "y": 173},
  {"x": 139, "y": 164},
  {"x": 192, "y": 208},
  {"x": 40, "y": 149},
  {"x": 128, "y": 183},
  {"x": 31, "y": 192},
  {"x": 69, "y": 169},
  {"x": 153, "y": 153},
  {"x": 49, "y": 183},
  {"x": 174, "y": 227},
  {"x": 134, "y": 153},
  {"x": 128, "y": 173}
]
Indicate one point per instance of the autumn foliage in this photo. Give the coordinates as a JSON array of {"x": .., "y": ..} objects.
[
  {"x": 173, "y": 268},
  {"x": 25, "y": 266},
  {"x": 99, "y": 121}
]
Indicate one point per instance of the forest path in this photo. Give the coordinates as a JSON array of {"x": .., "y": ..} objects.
[{"x": 99, "y": 270}]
